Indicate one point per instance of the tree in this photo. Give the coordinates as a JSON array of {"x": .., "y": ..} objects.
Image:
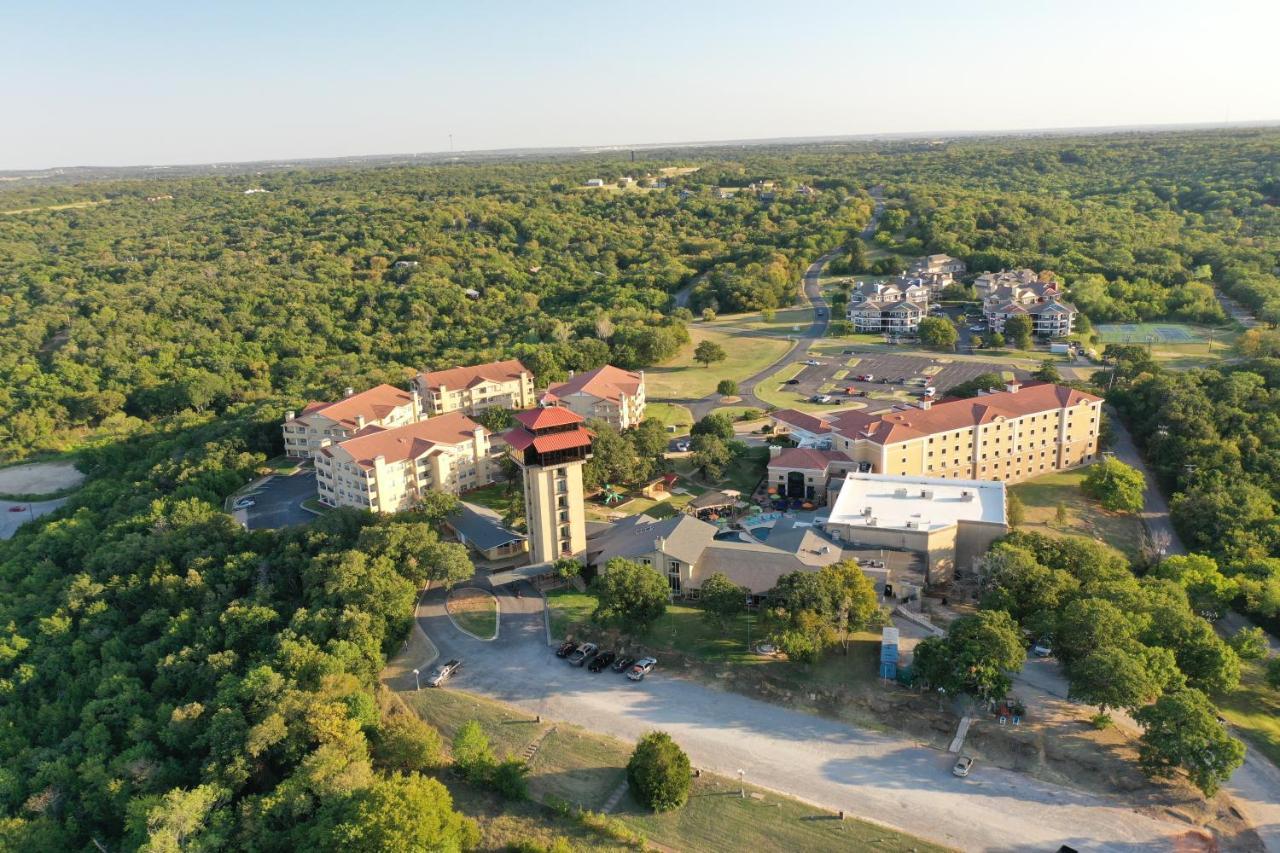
[
  {"x": 1117, "y": 486},
  {"x": 1250, "y": 643},
  {"x": 939, "y": 333},
  {"x": 708, "y": 315},
  {"x": 1181, "y": 730},
  {"x": 449, "y": 563},
  {"x": 567, "y": 568},
  {"x": 719, "y": 425},
  {"x": 852, "y": 602},
  {"x": 659, "y": 772},
  {"x": 721, "y": 598},
  {"x": 1014, "y": 510},
  {"x": 1087, "y": 625},
  {"x": 1113, "y": 678},
  {"x": 495, "y": 419},
  {"x": 613, "y": 458},
  {"x": 1208, "y": 589},
  {"x": 975, "y": 657},
  {"x": 1032, "y": 593},
  {"x": 632, "y": 595},
  {"x": 995, "y": 340},
  {"x": 981, "y": 382},
  {"x": 1060, "y": 516},
  {"x": 401, "y": 812},
  {"x": 1018, "y": 329},
  {"x": 1047, "y": 372},
  {"x": 406, "y": 743},
  {"x": 707, "y": 352},
  {"x": 472, "y": 753},
  {"x": 1273, "y": 673},
  {"x": 727, "y": 388},
  {"x": 711, "y": 455},
  {"x": 509, "y": 778}
]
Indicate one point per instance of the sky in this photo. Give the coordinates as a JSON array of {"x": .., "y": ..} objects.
[{"x": 132, "y": 83}]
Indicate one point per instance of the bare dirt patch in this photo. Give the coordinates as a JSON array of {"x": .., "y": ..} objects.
[
  {"x": 474, "y": 611},
  {"x": 39, "y": 478}
]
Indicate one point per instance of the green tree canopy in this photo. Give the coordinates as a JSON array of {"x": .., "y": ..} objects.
[{"x": 632, "y": 595}]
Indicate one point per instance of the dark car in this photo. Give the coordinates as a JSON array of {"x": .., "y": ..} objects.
[
  {"x": 567, "y": 648},
  {"x": 583, "y": 653},
  {"x": 602, "y": 661},
  {"x": 622, "y": 664},
  {"x": 793, "y": 382}
]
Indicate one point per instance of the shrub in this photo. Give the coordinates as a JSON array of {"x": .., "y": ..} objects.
[{"x": 659, "y": 772}]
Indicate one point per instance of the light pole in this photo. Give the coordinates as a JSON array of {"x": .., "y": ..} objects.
[
  {"x": 416, "y": 684},
  {"x": 748, "y": 624},
  {"x": 742, "y": 787}
]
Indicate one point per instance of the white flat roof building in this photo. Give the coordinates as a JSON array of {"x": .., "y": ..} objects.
[{"x": 948, "y": 521}]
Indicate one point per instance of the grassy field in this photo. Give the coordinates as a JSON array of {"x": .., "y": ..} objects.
[
  {"x": 671, "y": 415},
  {"x": 736, "y": 412},
  {"x": 475, "y": 611},
  {"x": 1255, "y": 709},
  {"x": 584, "y": 768},
  {"x": 1085, "y": 517},
  {"x": 784, "y": 322},
  {"x": 495, "y": 496},
  {"x": 568, "y": 607},
  {"x": 73, "y": 205},
  {"x": 684, "y": 379}
]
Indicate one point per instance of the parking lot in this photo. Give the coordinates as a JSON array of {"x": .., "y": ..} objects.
[
  {"x": 909, "y": 373},
  {"x": 277, "y": 502}
]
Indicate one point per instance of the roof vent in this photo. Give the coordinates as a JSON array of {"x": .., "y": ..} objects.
[
  {"x": 927, "y": 494},
  {"x": 871, "y": 522},
  {"x": 349, "y": 391},
  {"x": 913, "y": 525},
  {"x": 966, "y": 496},
  {"x": 866, "y": 512},
  {"x": 899, "y": 493}
]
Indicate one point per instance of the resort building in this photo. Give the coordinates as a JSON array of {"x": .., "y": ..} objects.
[
  {"x": 551, "y": 446},
  {"x": 471, "y": 390},
  {"x": 948, "y": 522},
  {"x": 1011, "y": 435},
  {"x": 938, "y": 265},
  {"x": 482, "y": 530},
  {"x": 803, "y": 473},
  {"x": 387, "y": 470},
  {"x": 382, "y": 406},
  {"x": 1050, "y": 317},
  {"x": 609, "y": 393}
]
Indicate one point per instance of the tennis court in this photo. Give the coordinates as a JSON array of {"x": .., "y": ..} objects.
[{"x": 1141, "y": 333}]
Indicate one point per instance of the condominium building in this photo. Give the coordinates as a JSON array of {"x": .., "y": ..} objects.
[
  {"x": 938, "y": 265},
  {"x": 899, "y": 318},
  {"x": 608, "y": 393},
  {"x": 387, "y": 470},
  {"x": 1050, "y": 317},
  {"x": 471, "y": 390},
  {"x": 383, "y": 406},
  {"x": 1011, "y": 435}
]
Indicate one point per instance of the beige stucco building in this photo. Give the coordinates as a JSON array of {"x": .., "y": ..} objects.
[
  {"x": 1011, "y": 435},
  {"x": 550, "y": 445},
  {"x": 471, "y": 390},
  {"x": 383, "y": 405},
  {"x": 948, "y": 522},
  {"x": 608, "y": 393},
  {"x": 387, "y": 470}
]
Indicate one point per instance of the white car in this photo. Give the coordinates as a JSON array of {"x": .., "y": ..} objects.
[
  {"x": 812, "y": 362},
  {"x": 443, "y": 673},
  {"x": 641, "y": 668},
  {"x": 963, "y": 766},
  {"x": 1042, "y": 650},
  {"x": 244, "y": 503},
  {"x": 682, "y": 446}
]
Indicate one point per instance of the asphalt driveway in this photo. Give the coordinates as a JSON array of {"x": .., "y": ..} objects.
[
  {"x": 278, "y": 502},
  {"x": 14, "y": 514},
  {"x": 875, "y": 776}
]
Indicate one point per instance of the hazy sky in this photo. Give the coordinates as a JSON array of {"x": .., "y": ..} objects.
[{"x": 183, "y": 82}]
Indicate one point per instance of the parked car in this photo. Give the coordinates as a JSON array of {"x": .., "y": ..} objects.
[
  {"x": 683, "y": 446},
  {"x": 244, "y": 503},
  {"x": 977, "y": 328},
  {"x": 567, "y": 648},
  {"x": 623, "y": 664},
  {"x": 443, "y": 673},
  {"x": 792, "y": 382},
  {"x": 812, "y": 362},
  {"x": 963, "y": 765},
  {"x": 583, "y": 653},
  {"x": 16, "y": 508},
  {"x": 825, "y": 398},
  {"x": 1042, "y": 649},
  {"x": 641, "y": 668},
  {"x": 849, "y": 352},
  {"x": 601, "y": 661},
  {"x": 865, "y": 377}
]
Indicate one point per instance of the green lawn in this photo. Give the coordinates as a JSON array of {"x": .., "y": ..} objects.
[
  {"x": 772, "y": 390},
  {"x": 736, "y": 412},
  {"x": 509, "y": 730},
  {"x": 284, "y": 465},
  {"x": 671, "y": 415},
  {"x": 496, "y": 496},
  {"x": 568, "y": 607},
  {"x": 1255, "y": 709},
  {"x": 784, "y": 321},
  {"x": 475, "y": 611},
  {"x": 315, "y": 506},
  {"x": 746, "y": 471},
  {"x": 684, "y": 379},
  {"x": 1085, "y": 517}
]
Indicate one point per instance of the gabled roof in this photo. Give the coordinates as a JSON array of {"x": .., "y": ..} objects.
[
  {"x": 755, "y": 566},
  {"x": 468, "y": 377},
  {"x": 604, "y": 383},
  {"x": 684, "y": 538},
  {"x": 373, "y": 405},
  {"x": 807, "y": 459},
  {"x": 551, "y": 416},
  {"x": 408, "y": 442},
  {"x": 482, "y": 527},
  {"x": 801, "y": 420}
]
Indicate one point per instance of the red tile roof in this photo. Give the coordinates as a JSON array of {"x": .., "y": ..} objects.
[
  {"x": 374, "y": 405},
  {"x": 411, "y": 441},
  {"x": 801, "y": 420},
  {"x": 605, "y": 383},
  {"x": 552, "y": 416},
  {"x": 468, "y": 377},
  {"x": 807, "y": 459},
  {"x": 554, "y": 441},
  {"x": 902, "y": 425}
]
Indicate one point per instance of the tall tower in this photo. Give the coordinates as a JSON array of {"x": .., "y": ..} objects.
[{"x": 550, "y": 446}]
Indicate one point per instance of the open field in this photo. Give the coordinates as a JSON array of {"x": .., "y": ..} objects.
[
  {"x": 583, "y": 769},
  {"x": 684, "y": 379},
  {"x": 785, "y": 321},
  {"x": 39, "y": 478},
  {"x": 1254, "y": 708},
  {"x": 1085, "y": 517},
  {"x": 568, "y": 607},
  {"x": 671, "y": 415},
  {"x": 474, "y": 611},
  {"x": 73, "y": 205}
]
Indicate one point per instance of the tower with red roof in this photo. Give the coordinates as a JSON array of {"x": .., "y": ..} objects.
[{"x": 550, "y": 445}]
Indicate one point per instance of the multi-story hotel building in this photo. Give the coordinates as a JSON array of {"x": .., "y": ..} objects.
[
  {"x": 551, "y": 446},
  {"x": 383, "y": 406},
  {"x": 608, "y": 393},
  {"x": 387, "y": 470},
  {"x": 1011, "y": 435},
  {"x": 471, "y": 390}
]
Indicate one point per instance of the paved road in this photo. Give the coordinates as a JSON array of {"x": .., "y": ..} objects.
[
  {"x": 1235, "y": 310},
  {"x": 831, "y": 764},
  {"x": 29, "y": 511},
  {"x": 1155, "y": 509}
]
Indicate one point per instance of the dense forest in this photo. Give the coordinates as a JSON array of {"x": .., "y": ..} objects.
[{"x": 169, "y": 680}]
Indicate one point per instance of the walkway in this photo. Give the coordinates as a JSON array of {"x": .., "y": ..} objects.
[{"x": 1155, "y": 509}]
